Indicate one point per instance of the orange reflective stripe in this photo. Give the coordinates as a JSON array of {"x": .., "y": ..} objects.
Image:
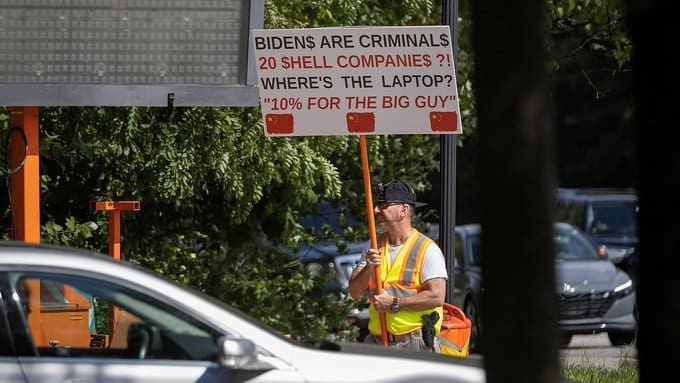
[
  {"x": 420, "y": 257},
  {"x": 414, "y": 264},
  {"x": 408, "y": 263},
  {"x": 403, "y": 277}
]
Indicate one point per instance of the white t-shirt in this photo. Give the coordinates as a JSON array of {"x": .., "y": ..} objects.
[{"x": 434, "y": 264}]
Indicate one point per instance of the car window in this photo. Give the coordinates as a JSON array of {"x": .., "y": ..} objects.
[
  {"x": 6, "y": 348},
  {"x": 612, "y": 217},
  {"x": 459, "y": 251},
  {"x": 73, "y": 316},
  {"x": 474, "y": 257},
  {"x": 571, "y": 245},
  {"x": 569, "y": 211}
]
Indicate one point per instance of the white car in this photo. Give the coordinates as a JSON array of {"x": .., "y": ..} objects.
[{"x": 74, "y": 316}]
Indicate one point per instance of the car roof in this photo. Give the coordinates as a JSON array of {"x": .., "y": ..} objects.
[
  {"x": 17, "y": 254},
  {"x": 328, "y": 250},
  {"x": 596, "y": 193},
  {"x": 469, "y": 228},
  {"x": 475, "y": 228},
  {"x": 50, "y": 257}
]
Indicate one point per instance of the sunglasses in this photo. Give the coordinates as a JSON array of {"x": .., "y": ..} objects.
[{"x": 385, "y": 205}]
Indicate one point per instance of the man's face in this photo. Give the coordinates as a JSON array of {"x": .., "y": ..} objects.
[{"x": 387, "y": 213}]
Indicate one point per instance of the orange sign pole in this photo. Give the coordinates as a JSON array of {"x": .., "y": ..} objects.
[
  {"x": 371, "y": 228},
  {"x": 114, "y": 208},
  {"x": 25, "y": 190},
  {"x": 25, "y": 173}
]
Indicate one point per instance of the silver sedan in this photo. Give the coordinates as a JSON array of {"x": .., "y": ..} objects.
[{"x": 68, "y": 315}]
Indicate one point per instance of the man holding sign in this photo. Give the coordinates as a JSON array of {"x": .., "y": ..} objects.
[
  {"x": 367, "y": 81},
  {"x": 413, "y": 275}
]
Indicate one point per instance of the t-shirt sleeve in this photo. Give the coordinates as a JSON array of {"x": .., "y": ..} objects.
[{"x": 434, "y": 265}]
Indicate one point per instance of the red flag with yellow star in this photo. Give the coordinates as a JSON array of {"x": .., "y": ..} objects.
[
  {"x": 443, "y": 121},
  {"x": 279, "y": 123},
  {"x": 360, "y": 122}
]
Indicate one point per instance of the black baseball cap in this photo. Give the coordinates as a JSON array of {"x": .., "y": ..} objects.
[{"x": 399, "y": 192}]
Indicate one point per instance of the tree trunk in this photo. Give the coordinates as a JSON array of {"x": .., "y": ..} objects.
[
  {"x": 653, "y": 26},
  {"x": 517, "y": 175}
]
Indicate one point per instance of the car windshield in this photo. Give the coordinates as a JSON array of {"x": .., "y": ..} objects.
[
  {"x": 570, "y": 245},
  {"x": 612, "y": 217}
]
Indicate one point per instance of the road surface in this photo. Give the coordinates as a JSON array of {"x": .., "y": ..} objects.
[{"x": 596, "y": 350}]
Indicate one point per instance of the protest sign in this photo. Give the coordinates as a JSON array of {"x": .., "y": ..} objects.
[{"x": 357, "y": 80}]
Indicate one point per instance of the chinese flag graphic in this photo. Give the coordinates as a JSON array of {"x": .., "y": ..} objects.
[
  {"x": 443, "y": 121},
  {"x": 360, "y": 122},
  {"x": 279, "y": 123}
]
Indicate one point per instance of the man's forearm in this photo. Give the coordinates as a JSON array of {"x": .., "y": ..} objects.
[
  {"x": 433, "y": 296},
  {"x": 358, "y": 282}
]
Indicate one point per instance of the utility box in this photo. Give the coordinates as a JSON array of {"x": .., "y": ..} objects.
[{"x": 65, "y": 325}]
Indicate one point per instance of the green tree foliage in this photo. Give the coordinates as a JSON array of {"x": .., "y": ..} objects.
[
  {"x": 591, "y": 74},
  {"x": 589, "y": 65},
  {"x": 218, "y": 198}
]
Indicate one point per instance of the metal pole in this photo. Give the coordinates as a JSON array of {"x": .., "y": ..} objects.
[{"x": 447, "y": 150}]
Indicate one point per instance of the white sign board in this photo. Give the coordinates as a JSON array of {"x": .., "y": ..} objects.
[{"x": 357, "y": 80}]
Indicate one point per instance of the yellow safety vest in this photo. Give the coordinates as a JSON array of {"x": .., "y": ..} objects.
[{"x": 402, "y": 279}]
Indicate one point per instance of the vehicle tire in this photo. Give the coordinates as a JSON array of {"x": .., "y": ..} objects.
[
  {"x": 471, "y": 312},
  {"x": 621, "y": 338}
]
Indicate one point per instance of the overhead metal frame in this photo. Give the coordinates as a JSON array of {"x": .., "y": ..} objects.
[
  {"x": 116, "y": 53},
  {"x": 128, "y": 52}
]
